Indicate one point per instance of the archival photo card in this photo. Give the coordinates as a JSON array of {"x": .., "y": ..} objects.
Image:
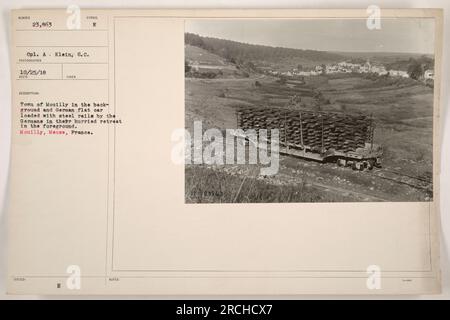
[{"x": 225, "y": 152}]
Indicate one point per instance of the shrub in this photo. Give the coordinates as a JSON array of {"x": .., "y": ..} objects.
[
  {"x": 187, "y": 67},
  {"x": 282, "y": 80}
]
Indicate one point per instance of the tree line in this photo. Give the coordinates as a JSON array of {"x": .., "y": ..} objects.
[{"x": 237, "y": 52}]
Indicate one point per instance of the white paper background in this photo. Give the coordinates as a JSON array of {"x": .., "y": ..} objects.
[{"x": 5, "y": 94}]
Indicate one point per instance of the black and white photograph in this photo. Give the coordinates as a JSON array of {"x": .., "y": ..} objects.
[{"x": 309, "y": 110}]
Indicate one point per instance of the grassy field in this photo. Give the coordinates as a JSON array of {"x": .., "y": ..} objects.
[{"x": 208, "y": 185}]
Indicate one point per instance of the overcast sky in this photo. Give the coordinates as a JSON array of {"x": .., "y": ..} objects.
[{"x": 412, "y": 35}]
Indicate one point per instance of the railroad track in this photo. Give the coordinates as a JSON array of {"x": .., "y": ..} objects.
[{"x": 420, "y": 183}]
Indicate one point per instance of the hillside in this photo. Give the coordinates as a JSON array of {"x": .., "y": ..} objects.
[
  {"x": 260, "y": 54},
  {"x": 283, "y": 59},
  {"x": 206, "y": 64},
  {"x": 202, "y": 56}
]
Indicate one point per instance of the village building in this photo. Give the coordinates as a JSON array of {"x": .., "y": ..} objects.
[
  {"x": 398, "y": 73},
  {"x": 195, "y": 66},
  {"x": 428, "y": 74}
]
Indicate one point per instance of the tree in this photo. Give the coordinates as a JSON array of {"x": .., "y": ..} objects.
[
  {"x": 194, "y": 40},
  {"x": 282, "y": 80},
  {"x": 225, "y": 52},
  {"x": 250, "y": 65},
  {"x": 187, "y": 67},
  {"x": 415, "y": 70}
]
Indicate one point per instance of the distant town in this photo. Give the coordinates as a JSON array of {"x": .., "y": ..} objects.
[
  {"x": 336, "y": 68},
  {"x": 348, "y": 67}
]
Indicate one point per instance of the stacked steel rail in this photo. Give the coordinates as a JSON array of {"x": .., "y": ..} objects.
[{"x": 316, "y": 130}]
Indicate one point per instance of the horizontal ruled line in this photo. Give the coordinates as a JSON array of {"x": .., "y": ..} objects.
[
  {"x": 80, "y": 46},
  {"x": 61, "y": 62},
  {"x": 61, "y": 29},
  {"x": 65, "y": 79}
]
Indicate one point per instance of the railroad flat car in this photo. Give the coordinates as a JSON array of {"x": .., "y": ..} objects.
[{"x": 344, "y": 138}]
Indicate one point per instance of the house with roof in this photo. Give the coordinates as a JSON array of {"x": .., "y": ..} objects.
[{"x": 428, "y": 74}]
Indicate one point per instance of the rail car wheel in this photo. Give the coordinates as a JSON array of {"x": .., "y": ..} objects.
[
  {"x": 342, "y": 162},
  {"x": 357, "y": 166},
  {"x": 370, "y": 164}
]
